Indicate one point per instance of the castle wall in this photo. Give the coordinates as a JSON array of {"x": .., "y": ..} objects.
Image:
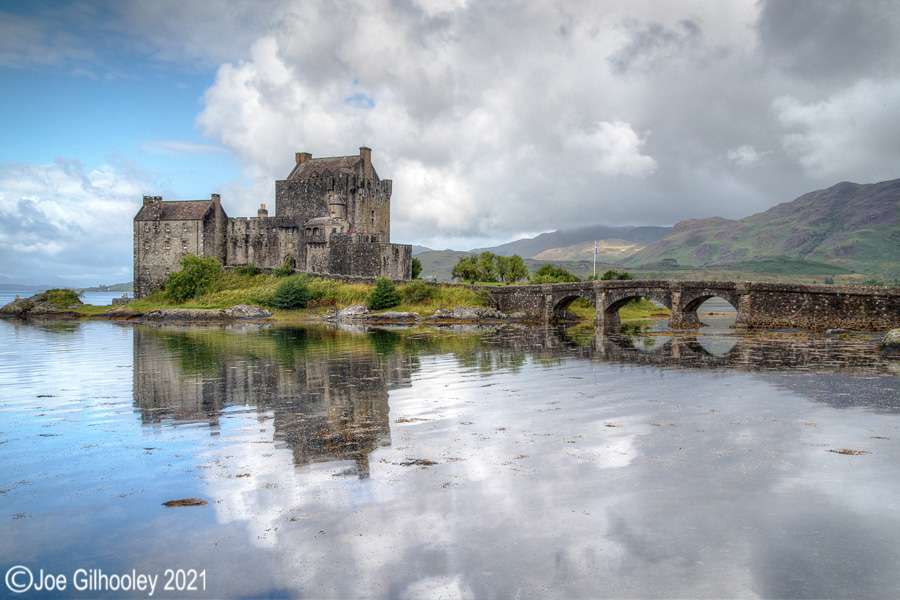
[
  {"x": 160, "y": 243},
  {"x": 269, "y": 242},
  {"x": 304, "y": 199}
]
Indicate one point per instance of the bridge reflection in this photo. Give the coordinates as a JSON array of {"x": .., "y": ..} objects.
[
  {"x": 760, "y": 352},
  {"x": 326, "y": 392}
]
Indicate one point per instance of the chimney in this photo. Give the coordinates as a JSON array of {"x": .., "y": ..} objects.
[
  {"x": 148, "y": 200},
  {"x": 262, "y": 213},
  {"x": 302, "y": 157},
  {"x": 215, "y": 198},
  {"x": 366, "y": 154}
]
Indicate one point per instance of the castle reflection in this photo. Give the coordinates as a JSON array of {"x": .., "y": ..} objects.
[{"x": 327, "y": 389}]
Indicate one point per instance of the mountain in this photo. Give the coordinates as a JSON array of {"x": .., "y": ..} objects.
[
  {"x": 439, "y": 263},
  {"x": 609, "y": 251},
  {"x": 531, "y": 247},
  {"x": 420, "y": 250},
  {"x": 853, "y": 226}
]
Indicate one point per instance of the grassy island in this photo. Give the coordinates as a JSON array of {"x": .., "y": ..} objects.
[{"x": 259, "y": 289}]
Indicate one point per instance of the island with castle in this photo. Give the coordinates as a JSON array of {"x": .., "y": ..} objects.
[{"x": 332, "y": 218}]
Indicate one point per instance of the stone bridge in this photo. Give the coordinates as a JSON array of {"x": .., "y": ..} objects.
[{"x": 758, "y": 305}]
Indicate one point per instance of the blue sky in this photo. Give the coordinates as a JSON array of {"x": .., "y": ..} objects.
[{"x": 495, "y": 121}]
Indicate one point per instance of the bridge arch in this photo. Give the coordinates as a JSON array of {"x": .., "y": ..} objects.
[
  {"x": 612, "y": 300},
  {"x": 692, "y": 298},
  {"x": 561, "y": 302}
]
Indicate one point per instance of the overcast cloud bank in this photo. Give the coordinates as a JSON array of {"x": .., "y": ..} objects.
[{"x": 495, "y": 120}]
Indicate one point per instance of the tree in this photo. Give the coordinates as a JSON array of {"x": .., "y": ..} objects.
[
  {"x": 616, "y": 276},
  {"x": 292, "y": 293},
  {"x": 487, "y": 266},
  {"x": 511, "y": 268},
  {"x": 416, "y": 268},
  {"x": 466, "y": 268},
  {"x": 384, "y": 295},
  {"x": 197, "y": 276},
  {"x": 549, "y": 273}
]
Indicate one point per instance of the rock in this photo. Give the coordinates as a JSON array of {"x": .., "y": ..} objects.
[
  {"x": 17, "y": 308},
  {"x": 391, "y": 315},
  {"x": 185, "y": 314},
  {"x": 245, "y": 311},
  {"x": 890, "y": 345},
  {"x": 120, "y": 312},
  {"x": 42, "y": 309},
  {"x": 357, "y": 310},
  {"x": 476, "y": 313}
]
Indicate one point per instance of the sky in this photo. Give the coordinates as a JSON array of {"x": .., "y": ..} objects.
[{"x": 496, "y": 120}]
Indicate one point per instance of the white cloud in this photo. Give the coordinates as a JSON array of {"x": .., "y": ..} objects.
[
  {"x": 745, "y": 156},
  {"x": 71, "y": 220},
  {"x": 613, "y": 149},
  {"x": 851, "y": 135}
]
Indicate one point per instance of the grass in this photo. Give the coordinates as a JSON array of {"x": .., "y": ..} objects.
[{"x": 256, "y": 290}]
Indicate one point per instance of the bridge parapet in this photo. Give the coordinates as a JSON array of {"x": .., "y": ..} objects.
[{"x": 758, "y": 305}]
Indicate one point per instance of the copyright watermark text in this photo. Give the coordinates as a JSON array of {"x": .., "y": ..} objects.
[{"x": 21, "y": 579}]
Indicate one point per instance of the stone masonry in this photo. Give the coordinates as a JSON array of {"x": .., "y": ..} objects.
[
  {"x": 758, "y": 305},
  {"x": 332, "y": 217}
]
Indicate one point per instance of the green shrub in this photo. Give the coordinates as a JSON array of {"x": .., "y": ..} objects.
[
  {"x": 385, "y": 295},
  {"x": 612, "y": 275},
  {"x": 549, "y": 273},
  {"x": 284, "y": 270},
  {"x": 291, "y": 293},
  {"x": 197, "y": 276},
  {"x": 61, "y": 297},
  {"x": 416, "y": 268},
  {"x": 417, "y": 292},
  {"x": 249, "y": 270}
]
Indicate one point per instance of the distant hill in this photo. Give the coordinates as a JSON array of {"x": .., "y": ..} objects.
[
  {"x": 531, "y": 247},
  {"x": 420, "y": 250},
  {"x": 439, "y": 263},
  {"x": 610, "y": 251},
  {"x": 851, "y": 226},
  {"x": 116, "y": 287}
]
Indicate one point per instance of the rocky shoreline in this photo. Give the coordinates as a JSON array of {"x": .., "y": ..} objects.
[{"x": 38, "y": 307}]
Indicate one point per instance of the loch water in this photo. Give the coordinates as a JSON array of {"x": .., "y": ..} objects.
[{"x": 460, "y": 462}]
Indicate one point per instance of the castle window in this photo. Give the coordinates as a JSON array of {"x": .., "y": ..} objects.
[
  {"x": 147, "y": 227},
  {"x": 184, "y": 226},
  {"x": 167, "y": 228},
  {"x": 184, "y": 244},
  {"x": 334, "y": 230},
  {"x": 146, "y": 245},
  {"x": 167, "y": 244}
]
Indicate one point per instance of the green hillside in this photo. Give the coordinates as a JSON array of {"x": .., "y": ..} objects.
[
  {"x": 611, "y": 250},
  {"x": 850, "y": 226}
]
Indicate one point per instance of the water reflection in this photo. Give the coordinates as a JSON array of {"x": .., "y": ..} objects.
[
  {"x": 327, "y": 393},
  {"x": 482, "y": 462},
  {"x": 328, "y": 389}
]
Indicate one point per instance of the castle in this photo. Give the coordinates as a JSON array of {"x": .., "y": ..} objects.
[{"x": 332, "y": 217}]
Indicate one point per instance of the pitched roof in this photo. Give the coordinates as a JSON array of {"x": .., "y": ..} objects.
[
  {"x": 183, "y": 210},
  {"x": 316, "y": 167}
]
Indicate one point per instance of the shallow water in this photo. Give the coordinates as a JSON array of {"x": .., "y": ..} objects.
[{"x": 463, "y": 463}]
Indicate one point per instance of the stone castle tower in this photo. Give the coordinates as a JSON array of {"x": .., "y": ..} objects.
[{"x": 332, "y": 217}]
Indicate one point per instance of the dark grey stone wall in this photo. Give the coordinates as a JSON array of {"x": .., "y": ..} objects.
[
  {"x": 159, "y": 245},
  {"x": 269, "y": 242},
  {"x": 759, "y": 305}
]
